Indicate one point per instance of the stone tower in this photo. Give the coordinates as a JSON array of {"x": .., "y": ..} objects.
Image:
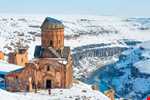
[
  {"x": 52, "y": 40},
  {"x": 52, "y": 34},
  {"x": 52, "y": 66}
]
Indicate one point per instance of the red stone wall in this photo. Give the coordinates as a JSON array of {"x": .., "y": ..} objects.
[
  {"x": 68, "y": 73},
  {"x": 53, "y": 38},
  {"x": 38, "y": 74},
  {"x": 18, "y": 59}
]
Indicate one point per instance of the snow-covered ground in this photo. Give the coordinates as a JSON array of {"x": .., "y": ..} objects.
[
  {"x": 90, "y": 64},
  {"x": 79, "y": 91},
  {"x": 144, "y": 65}
]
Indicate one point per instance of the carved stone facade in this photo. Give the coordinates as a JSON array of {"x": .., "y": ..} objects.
[
  {"x": 43, "y": 73},
  {"x": 52, "y": 66}
]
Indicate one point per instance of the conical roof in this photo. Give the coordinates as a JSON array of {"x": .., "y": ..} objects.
[{"x": 51, "y": 23}]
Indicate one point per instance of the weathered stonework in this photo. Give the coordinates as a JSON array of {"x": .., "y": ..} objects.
[
  {"x": 52, "y": 66},
  {"x": 52, "y": 34},
  {"x": 53, "y": 38},
  {"x": 19, "y": 57}
]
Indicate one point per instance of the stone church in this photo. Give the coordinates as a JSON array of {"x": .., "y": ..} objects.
[{"x": 52, "y": 65}]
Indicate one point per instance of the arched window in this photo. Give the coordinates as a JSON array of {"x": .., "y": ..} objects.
[
  {"x": 48, "y": 68},
  {"x": 22, "y": 60}
]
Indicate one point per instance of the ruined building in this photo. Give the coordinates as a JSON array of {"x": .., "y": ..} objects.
[
  {"x": 52, "y": 66},
  {"x": 19, "y": 57}
]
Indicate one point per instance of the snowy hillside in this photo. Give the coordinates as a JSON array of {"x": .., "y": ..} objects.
[
  {"x": 144, "y": 65},
  {"x": 129, "y": 76}
]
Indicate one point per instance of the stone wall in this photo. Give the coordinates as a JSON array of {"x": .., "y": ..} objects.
[
  {"x": 53, "y": 38},
  {"x": 18, "y": 58},
  {"x": 37, "y": 74}
]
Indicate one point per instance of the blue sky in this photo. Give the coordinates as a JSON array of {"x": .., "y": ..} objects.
[{"x": 90, "y": 7}]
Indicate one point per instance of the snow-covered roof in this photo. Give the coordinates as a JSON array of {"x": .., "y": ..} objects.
[{"x": 6, "y": 67}]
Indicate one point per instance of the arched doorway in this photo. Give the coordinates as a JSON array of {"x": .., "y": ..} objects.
[{"x": 48, "y": 84}]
